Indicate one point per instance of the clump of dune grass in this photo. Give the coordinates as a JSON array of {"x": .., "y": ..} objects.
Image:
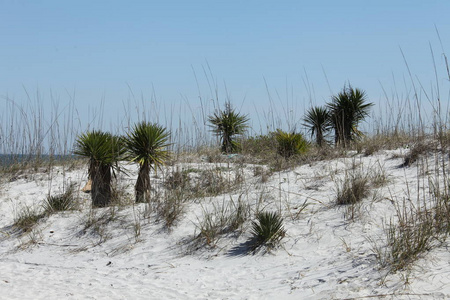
[
  {"x": 179, "y": 179},
  {"x": 62, "y": 202},
  {"x": 370, "y": 144},
  {"x": 418, "y": 228},
  {"x": 262, "y": 148},
  {"x": 417, "y": 149},
  {"x": 196, "y": 183},
  {"x": 353, "y": 189},
  {"x": 27, "y": 218},
  {"x": 227, "y": 124},
  {"x": 408, "y": 238},
  {"x": 222, "y": 219},
  {"x": 96, "y": 221},
  {"x": 263, "y": 173},
  {"x": 171, "y": 206}
]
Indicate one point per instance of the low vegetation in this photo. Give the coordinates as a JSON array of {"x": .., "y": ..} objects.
[
  {"x": 222, "y": 219},
  {"x": 164, "y": 192},
  {"x": 27, "y": 218},
  {"x": 267, "y": 230},
  {"x": 290, "y": 144},
  {"x": 353, "y": 189},
  {"x": 62, "y": 202}
]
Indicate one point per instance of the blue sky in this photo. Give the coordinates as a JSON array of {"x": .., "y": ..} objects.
[{"x": 262, "y": 55}]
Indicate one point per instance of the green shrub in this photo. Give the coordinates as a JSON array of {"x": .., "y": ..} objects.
[
  {"x": 260, "y": 146},
  {"x": 290, "y": 144},
  {"x": 103, "y": 150},
  {"x": 317, "y": 121},
  {"x": 267, "y": 230}
]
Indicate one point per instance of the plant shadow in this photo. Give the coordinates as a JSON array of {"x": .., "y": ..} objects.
[{"x": 242, "y": 249}]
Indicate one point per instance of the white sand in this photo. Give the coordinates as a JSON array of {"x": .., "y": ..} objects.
[{"x": 323, "y": 256}]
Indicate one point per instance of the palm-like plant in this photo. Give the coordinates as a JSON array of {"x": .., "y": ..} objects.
[
  {"x": 267, "y": 230},
  {"x": 146, "y": 145},
  {"x": 347, "y": 110},
  {"x": 227, "y": 124},
  {"x": 317, "y": 120},
  {"x": 104, "y": 151}
]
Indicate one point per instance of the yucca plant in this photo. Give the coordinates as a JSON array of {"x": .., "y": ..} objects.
[
  {"x": 267, "y": 230},
  {"x": 317, "y": 120},
  {"x": 104, "y": 151},
  {"x": 347, "y": 109},
  {"x": 226, "y": 124},
  {"x": 147, "y": 146},
  {"x": 290, "y": 144}
]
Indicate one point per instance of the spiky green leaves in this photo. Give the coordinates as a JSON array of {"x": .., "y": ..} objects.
[
  {"x": 347, "y": 109},
  {"x": 104, "y": 151},
  {"x": 226, "y": 124},
  {"x": 317, "y": 120},
  {"x": 101, "y": 147},
  {"x": 147, "y": 143},
  {"x": 267, "y": 230},
  {"x": 343, "y": 115},
  {"x": 290, "y": 144}
]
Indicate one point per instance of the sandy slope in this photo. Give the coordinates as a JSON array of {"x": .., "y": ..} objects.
[{"x": 323, "y": 256}]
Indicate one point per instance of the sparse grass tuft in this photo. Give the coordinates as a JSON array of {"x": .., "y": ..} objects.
[
  {"x": 27, "y": 218},
  {"x": 352, "y": 211},
  {"x": 379, "y": 177},
  {"x": 96, "y": 223},
  {"x": 353, "y": 189},
  {"x": 418, "y": 149},
  {"x": 263, "y": 173},
  {"x": 413, "y": 234},
  {"x": 204, "y": 183},
  {"x": 418, "y": 229},
  {"x": 172, "y": 206},
  {"x": 119, "y": 195},
  {"x": 223, "y": 219},
  {"x": 369, "y": 145},
  {"x": 178, "y": 179}
]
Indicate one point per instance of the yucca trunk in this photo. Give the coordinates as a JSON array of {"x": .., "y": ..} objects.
[
  {"x": 142, "y": 187},
  {"x": 319, "y": 137},
  {"x": 342, "y": 134},
  {"x": 101, "y": 185},
  {"x": 227, "y": 145}
]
